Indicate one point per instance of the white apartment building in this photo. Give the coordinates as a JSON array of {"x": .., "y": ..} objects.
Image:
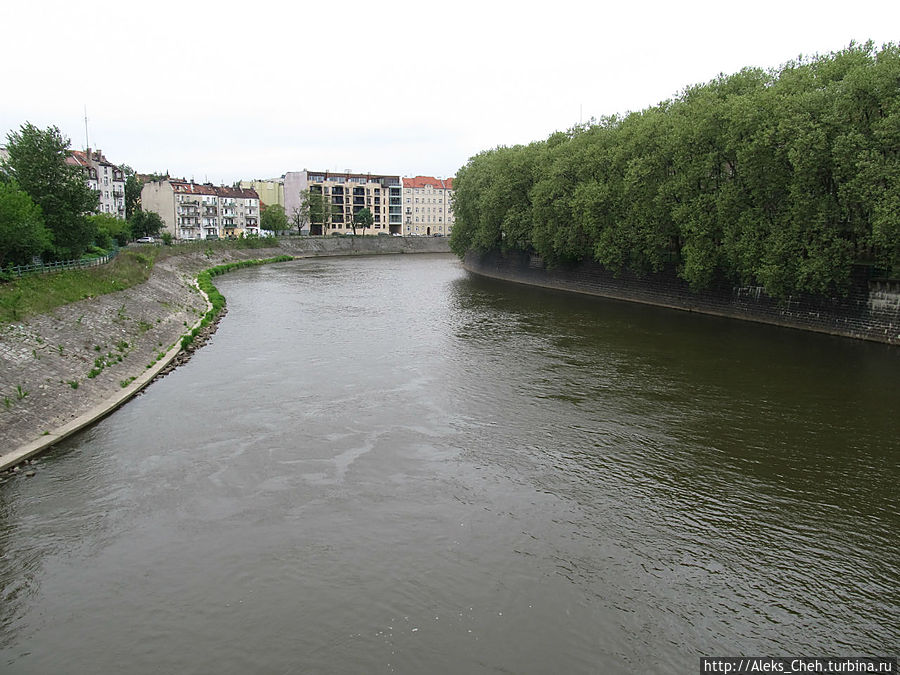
[
  {"x": 192, "y": 211},
  {"x": 104, "y": 177},
  {"x": 348, "y": 193},
  {"x": 427, "y": 206}
]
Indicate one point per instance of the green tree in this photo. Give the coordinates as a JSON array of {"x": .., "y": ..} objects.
[
  {"x": 316, "y": 205},
  {"x": 22, "y": 231},
  {"x": 362, "y": 218},
  {"x": 273, "y": 219},
  {"x": 145, "y": 224},
  {"x": 37, "y": 162},
  {"x": 783, "y": 178},
  {"x": 300, "y": 217},
  {"x": 133, "y": 187},
  {"x": 111, "y": 229}
]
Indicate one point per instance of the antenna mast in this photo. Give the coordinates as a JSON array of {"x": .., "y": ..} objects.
[{"x": 87, "y": 141}]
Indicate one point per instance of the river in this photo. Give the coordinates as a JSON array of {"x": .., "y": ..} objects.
[{"x": 386, "y": 465}]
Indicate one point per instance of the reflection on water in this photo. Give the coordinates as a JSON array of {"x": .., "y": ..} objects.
[{"x": 384, "y": 465}]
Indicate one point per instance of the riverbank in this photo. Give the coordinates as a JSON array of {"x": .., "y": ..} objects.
[
  {"x": 62, "y": 370},
  {"x": 869, "y": 311}
]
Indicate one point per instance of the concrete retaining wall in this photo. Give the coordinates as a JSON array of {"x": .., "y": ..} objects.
[
  {"x": 870, "y": 311},
  {"x": 368, "y": 245}
]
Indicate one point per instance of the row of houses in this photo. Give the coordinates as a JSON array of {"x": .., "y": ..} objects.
[
  {"x": 420, "y": 205},
  {"x": 191, "y": 211}
]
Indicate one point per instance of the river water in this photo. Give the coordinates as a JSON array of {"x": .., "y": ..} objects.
[{"x": 385, "y": 465}]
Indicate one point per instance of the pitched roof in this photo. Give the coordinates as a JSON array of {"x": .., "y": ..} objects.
[
  {"x": 422, "y": 181},
  {"x": 185, "y": 187},
  {"x": 82, "y": 158}
]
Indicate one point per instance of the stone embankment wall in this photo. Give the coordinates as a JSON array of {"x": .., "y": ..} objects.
[
  {"x": 870, "y": 311},
  {"x": 45, "y": 360}
]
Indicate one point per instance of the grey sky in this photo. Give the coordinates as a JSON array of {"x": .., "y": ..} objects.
[{"x": 223, "y": 91}]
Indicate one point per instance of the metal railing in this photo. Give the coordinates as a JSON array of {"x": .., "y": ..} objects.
[{"x": 58, "y": 266}]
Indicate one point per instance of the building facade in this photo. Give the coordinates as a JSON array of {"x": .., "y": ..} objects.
[
  {"x": 347, "y": 194},
  {"x": 192, "y": 211},
  {"x": 270, "y": 191},
  {"x": 427, "y": 206},
  {"x": 107, "y": 179}
]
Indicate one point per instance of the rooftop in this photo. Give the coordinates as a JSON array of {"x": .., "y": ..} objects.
[{"x": 422, "y": 181}]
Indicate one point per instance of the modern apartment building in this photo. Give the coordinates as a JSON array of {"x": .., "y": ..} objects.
[
  {"x": 104, "y": 177},
  {"x": 348, "y": 193},
  {"x": 427, "y": 206},
  {"x": 192, "y": 211}
]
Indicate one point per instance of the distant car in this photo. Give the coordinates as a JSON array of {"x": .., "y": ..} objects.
[{"x": 144, "y": 240}]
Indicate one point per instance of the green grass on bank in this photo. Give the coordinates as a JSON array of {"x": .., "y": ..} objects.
[{"x": 41, "y": 293}]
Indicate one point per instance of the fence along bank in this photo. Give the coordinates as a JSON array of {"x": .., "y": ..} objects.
[{"x": 869, "y": 311}]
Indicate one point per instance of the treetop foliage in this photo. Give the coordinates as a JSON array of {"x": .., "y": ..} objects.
[
  {"x": 37, "y": 163},
  {"x": 782, "y": 178},
  {"x": 273, "y": 219}
]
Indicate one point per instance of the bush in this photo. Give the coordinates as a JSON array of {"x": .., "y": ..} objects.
[{"x": 110, "y": 229}]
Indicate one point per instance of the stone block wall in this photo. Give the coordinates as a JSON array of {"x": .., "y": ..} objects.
[{"x": 870, "y": 310}]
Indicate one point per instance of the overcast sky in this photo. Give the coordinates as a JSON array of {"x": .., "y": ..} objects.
[{"x": 225, "y": 91}]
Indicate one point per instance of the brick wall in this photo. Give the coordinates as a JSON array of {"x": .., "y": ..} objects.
[{"x": 870, "y": 311}]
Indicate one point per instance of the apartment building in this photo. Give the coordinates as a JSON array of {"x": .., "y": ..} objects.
[
  {"x": 348, "y": 193},
  {"x": 270, "y": 191},
  {"x": 427, "y": 206},
  {"x": 104, "y": 177},
  {"x": 192, "y": 211}
]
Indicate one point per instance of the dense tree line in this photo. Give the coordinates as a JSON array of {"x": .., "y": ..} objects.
[{"x": 780, "y": 178}]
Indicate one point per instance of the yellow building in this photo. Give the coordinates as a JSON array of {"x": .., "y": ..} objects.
[
  {"x": 427, "y": 206},
  {"x": 270, "y": 191}
]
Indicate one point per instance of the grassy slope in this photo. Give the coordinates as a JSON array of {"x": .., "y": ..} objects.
[{"x": 42, "y": 293}]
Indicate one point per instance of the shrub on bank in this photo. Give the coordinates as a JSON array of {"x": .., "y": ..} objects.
[{"x": 216, "y": 299}]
